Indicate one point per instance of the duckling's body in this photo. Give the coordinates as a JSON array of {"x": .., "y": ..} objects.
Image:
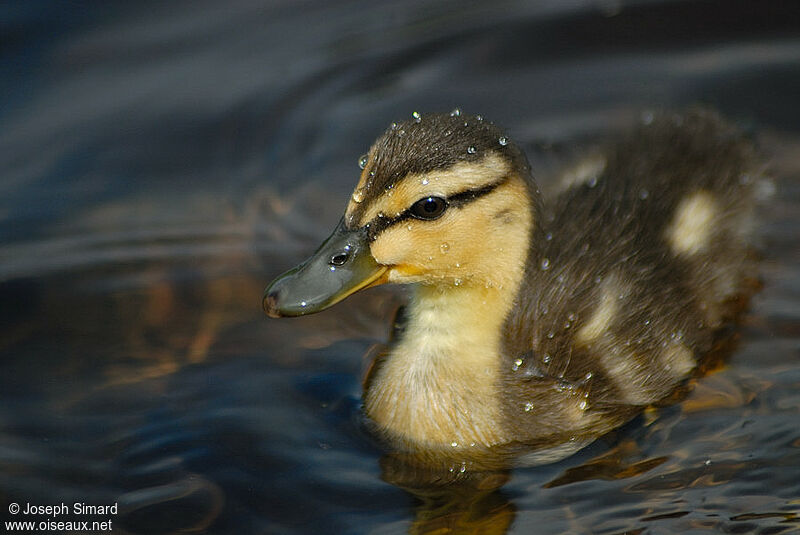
[{"x": 528, "y": 323}]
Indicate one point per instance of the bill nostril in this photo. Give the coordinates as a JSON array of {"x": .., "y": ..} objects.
[{"x": 339, "y": 259}]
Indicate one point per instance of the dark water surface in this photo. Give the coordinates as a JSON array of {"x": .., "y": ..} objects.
[{"x": 161, "y": 162}]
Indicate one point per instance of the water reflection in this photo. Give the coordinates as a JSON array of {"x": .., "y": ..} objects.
[
  {"x": 452, "y": 501},
  {"x": 466, "y": 500}
]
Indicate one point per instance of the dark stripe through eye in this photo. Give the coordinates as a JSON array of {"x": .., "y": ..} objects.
[
  {"x": 470, "y": 195},
  {"x": 430, "y": 208}
]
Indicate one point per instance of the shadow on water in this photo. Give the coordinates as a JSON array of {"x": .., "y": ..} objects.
[{"x": 162, "y": 162}]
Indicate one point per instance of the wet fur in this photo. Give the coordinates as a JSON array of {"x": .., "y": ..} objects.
[
  {"x": 434, "y": 385},
  {"x": 611, "y": 309},
  {"x": 614, "y": 236}
]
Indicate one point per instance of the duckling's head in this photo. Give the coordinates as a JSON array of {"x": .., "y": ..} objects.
[{"x": 444, "y": 200}]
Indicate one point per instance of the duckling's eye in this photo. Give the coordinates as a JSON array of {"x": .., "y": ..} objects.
[{"x": 429, "y": 208}]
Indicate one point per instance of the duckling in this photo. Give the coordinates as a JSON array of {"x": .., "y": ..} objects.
[{"x": 531, "y": 324}]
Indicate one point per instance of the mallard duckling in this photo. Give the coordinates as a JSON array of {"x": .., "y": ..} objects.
[{"x": 528, "y": 323}]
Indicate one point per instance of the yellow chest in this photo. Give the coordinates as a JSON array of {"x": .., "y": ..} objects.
[{"x": 439, "y": 386}]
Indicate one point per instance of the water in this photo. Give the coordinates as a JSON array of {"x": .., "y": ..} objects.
[{"x": 162, "y": 162}]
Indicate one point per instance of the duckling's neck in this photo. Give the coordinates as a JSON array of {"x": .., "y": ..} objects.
[{"x": 439, "y": 386}]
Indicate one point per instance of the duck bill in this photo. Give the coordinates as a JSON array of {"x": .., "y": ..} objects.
[{"x": 340, "y": 267}]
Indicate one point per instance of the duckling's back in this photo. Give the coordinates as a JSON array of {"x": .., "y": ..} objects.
[{"x": 634, "y": 272}]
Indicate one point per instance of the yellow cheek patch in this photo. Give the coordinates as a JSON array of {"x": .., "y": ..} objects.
[
  {"x": 411, "y": 242},
  {"x": 691, "y": 228},
  {"x": 484, "y": 241}
]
